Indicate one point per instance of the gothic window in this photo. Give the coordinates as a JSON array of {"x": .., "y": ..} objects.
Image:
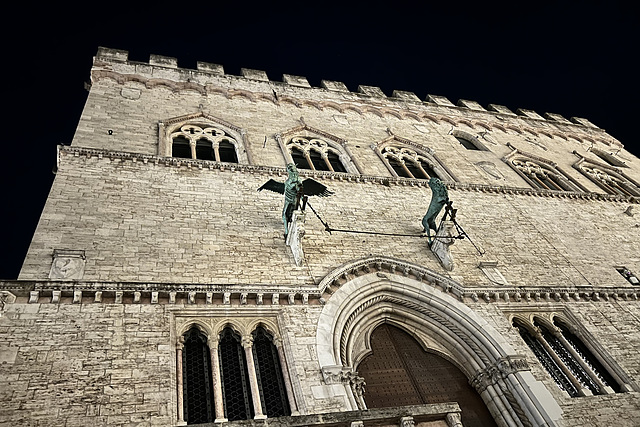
[
  {"x": 400, "y": 372},
  {"x": 269, "y": 373},
  {"x": 573, "y": 367},
  {"x": 204, "y": 142},
  {"x": 197, "y": 381},
  {"x": 315, "y": 154},
  {"x": 408, "y": 163},
  {"x": 235, "y": 377},
  {"x": 543, "y": 176},
  {"x": 609, "y": 180}
]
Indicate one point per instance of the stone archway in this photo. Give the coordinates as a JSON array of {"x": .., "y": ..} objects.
[{"x": 438, "y": 321}]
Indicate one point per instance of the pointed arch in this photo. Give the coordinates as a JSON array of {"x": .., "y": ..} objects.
[
  {"x": 407, "y": 159},
  {"x": 203, "y": 136},
  {"x": 314, "y": 149},
  {"x": 438, "y": 321}
]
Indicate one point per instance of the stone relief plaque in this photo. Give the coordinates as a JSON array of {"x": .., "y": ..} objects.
[
  {"x": 490, "y": 170},
  {"x": 68, "y": 264}
]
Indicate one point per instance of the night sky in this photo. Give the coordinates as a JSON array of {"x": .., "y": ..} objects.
[{"x": 572, "y": 58}]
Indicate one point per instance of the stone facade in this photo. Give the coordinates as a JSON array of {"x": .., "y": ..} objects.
[{"x": 135, "y": 246}]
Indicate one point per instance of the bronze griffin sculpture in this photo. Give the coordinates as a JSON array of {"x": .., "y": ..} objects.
[
  {"x": 294, "y": 190},
  {"x": 439, "y": 197}
]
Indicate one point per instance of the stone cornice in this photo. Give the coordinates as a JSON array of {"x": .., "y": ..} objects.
[{"x": 337, "y": 176}]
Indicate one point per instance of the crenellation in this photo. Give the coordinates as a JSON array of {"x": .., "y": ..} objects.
[
  {"x": 334, "y": 86},
  {"x": 372, "y": 91},
  {"x": 529, "y": 113},
  {"x": 472, "y": 105},
  {"x": 405, "y": 96},
  {"x": 295, "y": 80},
  {"x": 254, "y": 74},
  {"x": 500, "y": 109},
  {"x": 209, "y": 67},
  {"x": 163, "y": 61},
  {"x": 556, "y": 117},
  {"x": 440, "y": 100}
]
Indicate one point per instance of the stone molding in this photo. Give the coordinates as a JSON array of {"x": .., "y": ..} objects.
[
  {"x": 498, "y": 371},
  {"x": 339, "y": 176}
]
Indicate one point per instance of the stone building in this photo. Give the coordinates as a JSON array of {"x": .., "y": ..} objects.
[{"x": 159, "y": 288}]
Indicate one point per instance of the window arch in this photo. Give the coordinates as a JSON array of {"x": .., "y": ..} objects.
[
  {"x": 407, "y": 163},
  {"x": 542, "y": 176},
  {"x": 219, "y": 378},
  {"x": 236, "y": 390},
  {"x": 315, "y": 154},
  {"x": 197, "y": 381},
  {"x": 204, "y": 137},
  {"x": 610, "y": 180},
  {"x": 205, "y": 142},
  {"x": 269, "y": 373}
]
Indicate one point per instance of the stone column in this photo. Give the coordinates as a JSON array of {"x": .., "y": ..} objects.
[
  {"x": 247, "y": 344},
  {"x": 217, "y": 380},
  {"x": 287, "y": 379},
  {"x": 179, "y": 348}
]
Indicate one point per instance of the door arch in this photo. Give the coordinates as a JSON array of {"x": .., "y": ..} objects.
[{"x": 400, "y": 372}]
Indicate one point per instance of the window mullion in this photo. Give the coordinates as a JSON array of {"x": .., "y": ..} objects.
[
  {"x": 277, "y": 342},
  {"x": 406, "y": 169},
  {"x": 604, "y": 389},
  {"x": 325, "y": 157},
  {"x": 217, "y": 381},
  {"x": 308, "y": 157},
  {"x": 247, "y": 344},
  {"x": 577, "y": 384},
  {"x": 180, "y": 379}
]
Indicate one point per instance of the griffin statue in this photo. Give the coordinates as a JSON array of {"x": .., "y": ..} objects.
[
  {"x": 439, "y": 197},
  {"x": 294, "y": 190}
]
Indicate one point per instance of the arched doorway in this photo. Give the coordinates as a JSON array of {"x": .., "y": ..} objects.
[{"x": 399, "y": 372}]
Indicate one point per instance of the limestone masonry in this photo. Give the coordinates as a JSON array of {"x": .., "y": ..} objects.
[{"x": 159, "y": 288}]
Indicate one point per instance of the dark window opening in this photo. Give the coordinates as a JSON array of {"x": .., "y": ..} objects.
[
  {"x": 319, "y": 163},
  {"x": 272, "y": 389},
  {"x": 336, "y": 164},
  {"x": 227, "y": 152},
  {"x": 467, "y": 144},
  {"x": 547, "y": 361},
  {"x": 204, "y": 150},
  {"x": 235, "y": 377},
  {"x": 197, "y": 382},
  {"x": 428, "y": 169},
  {"x": 398, "y": 167},
  {"x": 415, "y": 170},
  {"x": 181, "y": 147},
  {"x": 588, "y": 357},
  {"x": 299, "y": 159}
]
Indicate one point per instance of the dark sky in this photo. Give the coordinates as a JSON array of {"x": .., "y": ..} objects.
[{"x": 572, "y": 58}]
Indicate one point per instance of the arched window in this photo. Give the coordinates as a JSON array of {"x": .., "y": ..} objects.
[
  {"x": 573, "y": 367},
  {"x": 543, "y": 176},
  {"x": 204, "y": 142},
  {"x": 197, "y": 381},
  {"x": 609, "y": 180},
  {"x": 270, "y": 380},
  {"x": 400, "y": 372},
  {"x": 235, "y": 377},
  {"x": 546, "y": 359},
  {"x": 315, "y": 154},
  {"x": 587, "y": 357},
  {"x": 408, "y": 163}
]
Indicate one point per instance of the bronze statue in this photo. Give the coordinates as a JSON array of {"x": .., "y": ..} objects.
[
  {"x": 294, "y": 190},
  {"x": 439, "y": 197}
]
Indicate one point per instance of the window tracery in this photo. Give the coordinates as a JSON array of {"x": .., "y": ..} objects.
[
  {"x": 543, "y": 176},
  {"x": 609, "y": 180},
  {"x": 203, "y": 142},
  {"x": 407, "y": 163},
  {"x": 573, "y": 367},
  {"x": 315, "y": 154}
]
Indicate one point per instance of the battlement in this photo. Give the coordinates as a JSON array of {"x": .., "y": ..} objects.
[{"x": 163, "y": 67}]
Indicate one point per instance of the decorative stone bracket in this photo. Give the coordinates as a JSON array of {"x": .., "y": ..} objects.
[
  {"x": 498, "y": 371},
  {"x": 338, "y": 374},
  {"x": 296, "y": 233},
  {"x": 442, "y": 242},
  {"x": 6, "y": 298}
]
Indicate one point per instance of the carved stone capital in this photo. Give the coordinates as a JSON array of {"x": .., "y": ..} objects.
[{"x": 498, "y": 371}]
